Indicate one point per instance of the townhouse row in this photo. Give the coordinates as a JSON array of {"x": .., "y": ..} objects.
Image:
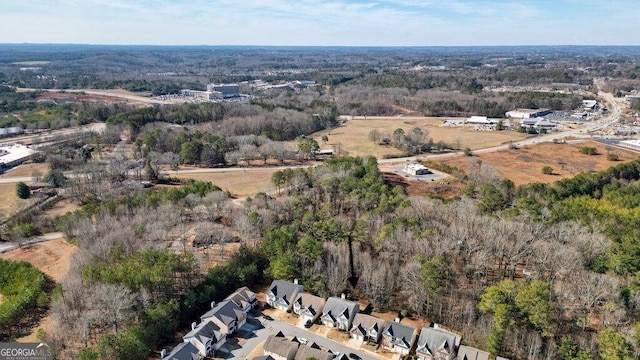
[{"x": 433, "y": 343}]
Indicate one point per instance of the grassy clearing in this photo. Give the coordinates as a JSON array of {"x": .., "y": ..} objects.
[
  {"x": 10, "y": 203},
  {"x": 238, "y": 183},
  {"x": 27, "y": 170},
  {"x": 354, "y": 135}
]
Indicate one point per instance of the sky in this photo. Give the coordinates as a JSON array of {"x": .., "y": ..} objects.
[{"x": 322, "y": 22}]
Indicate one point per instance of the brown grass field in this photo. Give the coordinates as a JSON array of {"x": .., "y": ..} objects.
[
  {"x": 238, "y": 183},
  {"x": 525, "y": 164},
  {"x": 10, "y": 204},
  {"x": 26, "y": 170},
  {"x": 354, "y": 135}
]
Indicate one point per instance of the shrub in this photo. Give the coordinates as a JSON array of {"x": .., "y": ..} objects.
[
  {"x": 468, "y": 152},
  {"x": 613, "y": 157},
  {"x": 588, "y": 150},
  {"x": 22, "y": 190},
  {"x": 547, "y": 170}
]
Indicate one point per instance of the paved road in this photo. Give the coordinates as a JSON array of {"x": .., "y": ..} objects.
[
  {"x": 7, "y": 246},
  {"x": 271, "y": 327}
]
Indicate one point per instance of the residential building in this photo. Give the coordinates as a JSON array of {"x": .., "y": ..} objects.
[
  {"x": 339, "y": 312},
  {"x": 280, "y": 348},
  {"x": 366, "y": 328},
  {"x": 308, "y": 306},
  {"x": 265, "y": 357},
  {"x": 228, "y": 316},
  {"x": 184, "y": 351},
  {"x": 206, "y": 337},
  {"x": 244, "y": 299},
  {"x": 312, "y": 352},
  {"x": 437, "y": 344},
  {"x": 398, "y": 337},
  {"x": 282, "y": 293},
  {"x": 469, "y": 353}
]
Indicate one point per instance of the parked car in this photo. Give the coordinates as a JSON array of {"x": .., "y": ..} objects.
[
  {"x": 267, "y": 317},
  {"x": 354, "y": 356},
  {"x": 303, "y": 340},
  {"x": 308, "y": 324}
]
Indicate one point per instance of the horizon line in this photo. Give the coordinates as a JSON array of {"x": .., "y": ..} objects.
[{"x": 316, "y": 46}]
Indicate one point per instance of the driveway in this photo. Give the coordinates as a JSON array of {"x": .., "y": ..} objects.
[{"x": 249, "y": 340}]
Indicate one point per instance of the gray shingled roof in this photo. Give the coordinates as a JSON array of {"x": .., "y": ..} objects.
[
  {"x": 306, "y": 352},
  {"x": 227, "y": 311},
  {"x": 184, "y": 351},
  {"x": 401, "y": 334},
  {"x": 469, "y": 353},
  {"x": 336, "y": 306},
  {"x": 365, "y": 321},
  {"x": 315, "y": 304},
  {"x": 432, "y": 339},
  {"x": 281, "y": 346},
  {"x": 265, "y": 357},
  {"x": 241, "y": 296},
  {"x": 206, "y": 330},
  {"x": 284, "y": 290}
]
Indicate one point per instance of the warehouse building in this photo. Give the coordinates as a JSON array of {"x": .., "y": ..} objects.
[
  {"x": 527, "y": 113},
  {"x": 227, "y": 90},
  {"x": 13, "y": 155}
]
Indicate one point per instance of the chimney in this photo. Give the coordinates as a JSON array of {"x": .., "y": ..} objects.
[
  {"x": 436, "y": 326},
  {"x": 213, "y": 304},
  {"x": 295, "y": 281},
  {"x": 397, "y": 320},
  {"x": 193, "y": 325},
  {"x": 163, "y": 353},
  {"x": 343, "y": 296}
]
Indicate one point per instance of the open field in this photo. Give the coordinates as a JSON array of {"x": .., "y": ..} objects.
[
  {"x": 10, "y": 204},
  {"x": 26, "y": 170},
  {"x": 353, "y": 136},
  {"x": 52, "y": 258},
  {"x": 238, "y": 183},
  {"x": 524, "y": 165}
]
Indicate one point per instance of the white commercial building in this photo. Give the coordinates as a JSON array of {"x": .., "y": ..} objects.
[
  {"x": 14, "y": 154},
  {"x": 416, "y": 169},
  {"x": 527, "y": 113}
]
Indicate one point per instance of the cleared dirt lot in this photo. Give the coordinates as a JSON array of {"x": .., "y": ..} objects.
[
  {"x": 353, "y": 136},
  {"x": 525, "y": 164},
  {"x": 239, "y": 183}
]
